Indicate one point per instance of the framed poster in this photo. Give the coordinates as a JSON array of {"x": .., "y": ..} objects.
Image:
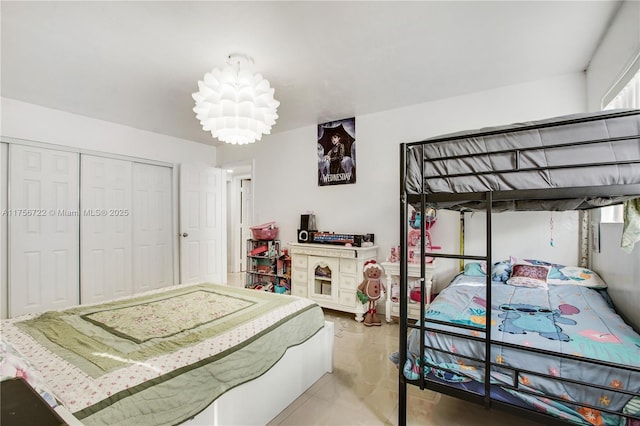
[{"x": 337, "y": 152}]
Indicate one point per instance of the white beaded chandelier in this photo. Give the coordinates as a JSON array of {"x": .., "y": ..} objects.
[{"x": 234, "y": 104}]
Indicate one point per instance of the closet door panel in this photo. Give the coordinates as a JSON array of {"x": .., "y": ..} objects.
[
  {"x": 4, "y": 240},
  {"x": 106, "y": 223},
  {"x": 152, "y": 227},
  {"x": 43, "y": 226}
]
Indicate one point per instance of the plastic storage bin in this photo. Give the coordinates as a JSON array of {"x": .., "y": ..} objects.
[{"x": 266, "y": 231}]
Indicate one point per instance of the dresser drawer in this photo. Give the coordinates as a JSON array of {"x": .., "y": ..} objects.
[
  {"x": 299, "y": 290},
  {"x": 414, "y": 310},
  {"x": 300, "y": 276},
  {"x": 347, "y": 298},
  {"x": 348, "y": 282},
  {"x": 299, "y": 262},
  {"x": 349, "y": 266}
]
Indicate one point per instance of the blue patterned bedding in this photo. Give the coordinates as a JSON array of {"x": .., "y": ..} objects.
[{"x": 568, "y": 319}]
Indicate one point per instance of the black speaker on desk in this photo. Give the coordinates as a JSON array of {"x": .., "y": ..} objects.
[
  {"x": 307, "y": 228},
  {"x": 305, "y": 235},
  {"x": 308, "y": 222}
]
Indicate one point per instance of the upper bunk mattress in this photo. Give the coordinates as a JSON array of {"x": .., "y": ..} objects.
[{"x": 580, "y": 150}]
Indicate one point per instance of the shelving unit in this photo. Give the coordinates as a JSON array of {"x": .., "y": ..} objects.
[{"x": 268, "y": 266}]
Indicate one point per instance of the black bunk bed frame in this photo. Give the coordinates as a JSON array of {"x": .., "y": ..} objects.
[{"x": 423, "y": 199}]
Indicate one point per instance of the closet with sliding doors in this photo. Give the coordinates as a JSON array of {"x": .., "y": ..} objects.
[{"x": 81, "y": 227}]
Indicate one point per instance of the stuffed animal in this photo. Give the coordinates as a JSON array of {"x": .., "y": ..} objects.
[
  {"x": 501, "y": 271},
  {"x": 370, "y": 290}
]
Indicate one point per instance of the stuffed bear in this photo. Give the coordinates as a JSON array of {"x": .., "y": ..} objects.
[{"x": 370, "y": 290}]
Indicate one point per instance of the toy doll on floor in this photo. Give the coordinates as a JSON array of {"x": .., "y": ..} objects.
[{"x": 370, "y": 291}]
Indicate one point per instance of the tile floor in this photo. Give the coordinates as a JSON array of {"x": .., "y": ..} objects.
[{"x": 363, "y": 388}]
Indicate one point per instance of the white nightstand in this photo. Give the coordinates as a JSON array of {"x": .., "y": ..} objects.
[{"x": 392, "y": 271}]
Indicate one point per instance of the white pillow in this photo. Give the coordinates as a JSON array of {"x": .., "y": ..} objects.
[{"x": 577, "y": 276}]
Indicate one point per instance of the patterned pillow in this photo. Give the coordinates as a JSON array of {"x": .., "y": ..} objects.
[
  {"x": 525, "y": 275},
  {"x": 562, "y": 275}
]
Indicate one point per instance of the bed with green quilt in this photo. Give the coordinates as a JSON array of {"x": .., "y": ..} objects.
[{"x": 162, "y": 357}]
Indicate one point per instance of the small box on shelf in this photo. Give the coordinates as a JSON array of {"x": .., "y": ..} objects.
[{"x": 259, "y": 250}]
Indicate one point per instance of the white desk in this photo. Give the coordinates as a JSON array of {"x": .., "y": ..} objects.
[{"x": 392, "y": 271}]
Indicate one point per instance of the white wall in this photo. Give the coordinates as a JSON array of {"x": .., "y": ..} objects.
[
  {"x": 285, "y": 174},
  {"x": 620, "y": 270},
  {"x": 35, "y": 123},
  {"x": 526, "y": 235},
  {"x": 614, "y": 56}
]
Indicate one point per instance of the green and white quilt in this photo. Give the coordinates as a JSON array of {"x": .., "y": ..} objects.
[{"x": 162, "y": 357}]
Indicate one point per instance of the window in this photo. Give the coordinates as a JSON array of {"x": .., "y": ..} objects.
[{"x": 629, "y": 97}]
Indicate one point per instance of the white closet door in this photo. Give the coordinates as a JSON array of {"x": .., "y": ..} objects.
[
  {"x": 203, "y": 243},
  {"x": 4, "y": 248},
  {"x": 152, "y": 227},
  {"x": 43, "y": 229},
  {"x": 106, "y": 223}
]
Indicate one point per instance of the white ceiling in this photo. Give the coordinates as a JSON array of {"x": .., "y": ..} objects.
[{"x": 137, "y": 63}]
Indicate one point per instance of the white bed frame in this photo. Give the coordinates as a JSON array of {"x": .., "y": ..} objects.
[{"x": 299, "y": 368}]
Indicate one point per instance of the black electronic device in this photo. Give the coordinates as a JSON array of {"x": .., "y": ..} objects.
[
  {"x": 355, "y": 240},
  {"x": 304, "y": 235},
  {"x": 308, "y": 222}
]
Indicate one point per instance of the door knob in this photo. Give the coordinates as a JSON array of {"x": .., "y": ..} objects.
[{"x": 184, "y": 234}]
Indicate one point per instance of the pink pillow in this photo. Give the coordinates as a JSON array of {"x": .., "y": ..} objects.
[{"x": 525, "y": 275}]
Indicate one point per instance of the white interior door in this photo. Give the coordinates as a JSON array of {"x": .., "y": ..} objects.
[
  {"x": 152, "y": 227},
  {"x": 43, "y": 227},
  {"x": 106, "y": 223},
  {"x": 202, "y": 224},
  {"x": 246, "y": 217}
]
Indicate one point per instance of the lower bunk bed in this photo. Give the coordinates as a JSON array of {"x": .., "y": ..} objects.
[
  {"x": 196, "y": 354},
  {"x": 560, "y": 349}
]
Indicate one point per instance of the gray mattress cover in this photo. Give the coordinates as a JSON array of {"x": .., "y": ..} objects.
[{"x": 602, "y": 126}]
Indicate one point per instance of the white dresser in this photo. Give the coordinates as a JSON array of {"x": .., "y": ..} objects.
[
  {"x": 330, "y": 274},
  {"x": 392, "y": 272}
]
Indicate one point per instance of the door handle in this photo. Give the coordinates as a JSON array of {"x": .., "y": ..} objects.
[{"x": 184, "y": 234}]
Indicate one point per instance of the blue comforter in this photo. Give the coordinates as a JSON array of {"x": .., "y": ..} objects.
[{"x": 568, "y": 319}]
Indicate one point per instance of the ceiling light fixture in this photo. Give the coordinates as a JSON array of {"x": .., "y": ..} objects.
[{"x": 234, "y": 104}]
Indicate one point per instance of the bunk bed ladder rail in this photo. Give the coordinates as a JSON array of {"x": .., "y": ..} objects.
[
  {"x": 403, "y": 320},
  {"x": 487, "y": 314},
  {"x": 422, "y": 324},
  {"x": 488, "y": 197}
]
